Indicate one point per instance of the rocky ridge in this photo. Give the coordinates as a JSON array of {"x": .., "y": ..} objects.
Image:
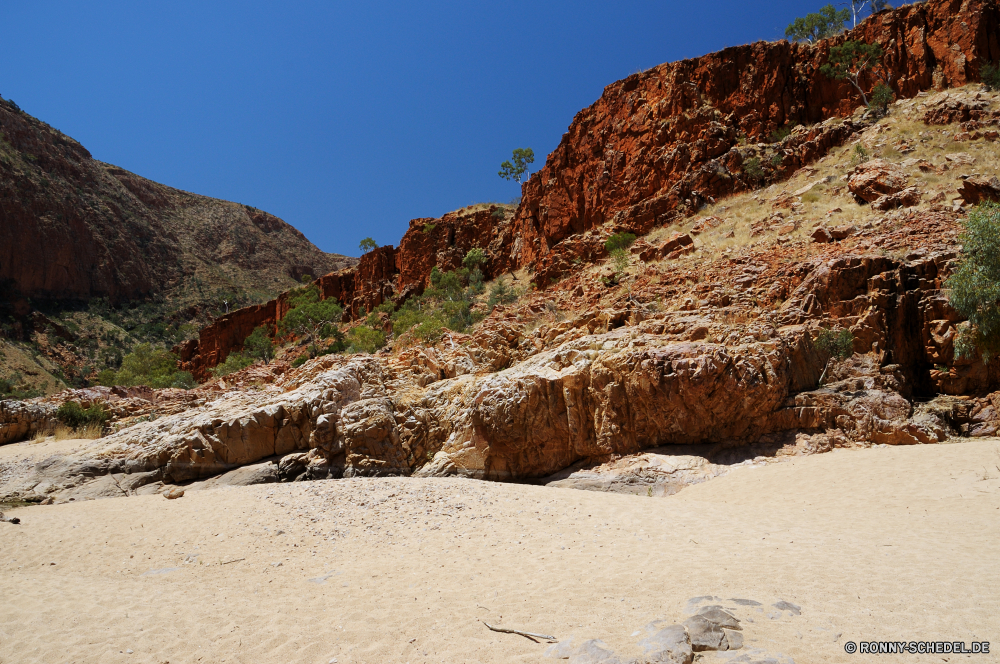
[{"x": 74, "y": 227}]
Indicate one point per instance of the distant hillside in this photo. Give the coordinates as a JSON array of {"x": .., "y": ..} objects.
[
  {"x": 72, "y": 227},
  {"x": 95, "y": 259}
]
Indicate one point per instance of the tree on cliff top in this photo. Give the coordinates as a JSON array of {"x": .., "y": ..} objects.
[
  {"x": 518, "y": 170},
  {"x": 857, "y": 6},
  {"x": 367, "y": 245},
  {"x": 975, "y": 284},
  {"x": 851, "y": 59},
  {"x": 828, "y": 21}
]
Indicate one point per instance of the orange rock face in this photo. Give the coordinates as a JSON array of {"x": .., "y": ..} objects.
[{"x": 659, "y": 143}]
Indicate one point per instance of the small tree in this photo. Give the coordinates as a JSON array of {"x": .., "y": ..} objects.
[
  {"x": 857, "y": 6},
  {"x": 620, "y": 240},
  {"x": 835, "y": 345},
  {"x": 500, "y": 293},
  {"x": 851, "y": 59},
  {"x": 474, "y": 258},
  {"x": 882, "y": 96},
  {"x": 367, "y": 245},
  {"x": 828, "y": 21},
  {"x": 989, "y": 74},
  {"x": 753, "y": 169},
  {"x": 617, "y": 245},
  {"x": 259, "y": 345},
  {"x": 313, "y": 320},
  {"x": 518, "y": 170},
  {"x": 975, "y": 284}
]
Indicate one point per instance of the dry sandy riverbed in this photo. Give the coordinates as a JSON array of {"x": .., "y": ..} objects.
[{"x": 878, "y": 544}]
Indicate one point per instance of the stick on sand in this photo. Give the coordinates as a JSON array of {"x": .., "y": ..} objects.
[{"x": 530, "y": 635}]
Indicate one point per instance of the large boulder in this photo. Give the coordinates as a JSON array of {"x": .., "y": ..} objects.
[
  {"x": 877, "y": 178},
  {"x": 977, "y": 189}
]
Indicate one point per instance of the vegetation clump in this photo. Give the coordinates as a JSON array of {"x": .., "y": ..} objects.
[
  {"x": 849, "y": 61},
  {"x": 234, "y": 362},
  {"x": 152, "y": 367},
  {"x": 259, "y": 345},
  {"x": 76, "y": 416},
  {"x": 617, "y": 247},
  {"x": 827, "y": 22},
  {"x": 517, "y": 168},
  {"x": 975, "y": 284},
  {"x": 990, "y": 75},
  {"x": 836, "y": 344},
  {"x": 313, "y": 318},
  {"x": 446, "y": 304},
  {"x": 12, "y": 387},
  {"x": 753, "y": 169},
  {"x": 367, "y": 245}
]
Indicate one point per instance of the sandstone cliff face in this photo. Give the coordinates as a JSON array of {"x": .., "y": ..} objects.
[
  {"x": 659, "y": 143},
  {"x": 73, "y": 227},
  {"x": 657, "y": 146},
  {"x": 385, "y": 274}
]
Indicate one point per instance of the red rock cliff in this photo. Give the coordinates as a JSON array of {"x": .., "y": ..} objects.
[
  {"x": 659, "y": 142},
  {"x": 654, "y": 147}
]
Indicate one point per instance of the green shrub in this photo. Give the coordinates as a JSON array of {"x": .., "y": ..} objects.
[
  {"x": 474, "y": 258},
  {"x": 299, "y": 361},
  {"x": 259, "y": 345},
  {"x": 500, "y": 293},
  {"x": 777, "y": 159},
  {"x": 234, "y": 362},
  {"x": 620, "y": 240},
  {"x": 975, "y": 284},
  {"x": 13, "y": 387},
  {"x": 152, "y": 367},
  {"x": 363, "y": 339},
  {"x": 429, "y": 228},
  {"x": 990, "y": 75},
  {"x": 836, "y": 344},
  {"x": 367, "y": 245},
  {"x": 882, "y": 96},
  {"x": 312, "y": 318},
  {"x": 446, "y": 304},
  {"x": 780, "y": 134},
  {"x": 860, "y": 155},
  {"x": 75, "y": 416},
  {"x": 752, "y": 169}
]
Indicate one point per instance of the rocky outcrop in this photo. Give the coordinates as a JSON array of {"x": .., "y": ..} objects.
[
  {"x": 876, "y": 178},
  {"x": 20, "y": 420},
  {"x": 659, "y": 143},
  {"x": 975, "y": 190},
  {"x": 73, "y": 227},
  {"x": 385, "y": 274}
]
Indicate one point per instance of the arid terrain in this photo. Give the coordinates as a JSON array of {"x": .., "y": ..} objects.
[
  {"x": 889, "y": 543},
  {"x": 697, "y": 397}
]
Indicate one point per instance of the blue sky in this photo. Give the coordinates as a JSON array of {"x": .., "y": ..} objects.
[{"x": 344, "y": 119}]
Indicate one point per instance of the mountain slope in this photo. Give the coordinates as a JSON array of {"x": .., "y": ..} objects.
[{"x": 74, "y": 227}]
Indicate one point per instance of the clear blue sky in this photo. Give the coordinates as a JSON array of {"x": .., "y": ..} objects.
[{"x": 344, "y": 119}]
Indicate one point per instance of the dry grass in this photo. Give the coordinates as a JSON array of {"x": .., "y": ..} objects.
[{"x": 62, "y": 432}]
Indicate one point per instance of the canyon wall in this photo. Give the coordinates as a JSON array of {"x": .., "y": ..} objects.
[{"x": 660, "y": 144}]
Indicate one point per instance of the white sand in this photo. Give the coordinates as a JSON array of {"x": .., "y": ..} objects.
[{"x": 883, "y": 544}]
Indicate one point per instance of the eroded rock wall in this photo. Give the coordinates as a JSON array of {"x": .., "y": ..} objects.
[{"x": 659, "y": 143}]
